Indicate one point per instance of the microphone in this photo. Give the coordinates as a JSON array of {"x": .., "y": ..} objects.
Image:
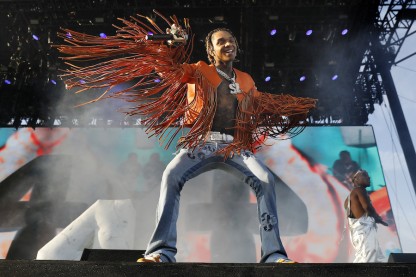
[{"x": 160, "y": 37}]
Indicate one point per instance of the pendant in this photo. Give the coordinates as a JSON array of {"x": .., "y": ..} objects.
[{"x": 234, "y": 87}]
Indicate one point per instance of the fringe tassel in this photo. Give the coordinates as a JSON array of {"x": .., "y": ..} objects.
[{"x": 129, "y": 57}]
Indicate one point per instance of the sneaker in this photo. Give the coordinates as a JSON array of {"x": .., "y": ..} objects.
[
  {"x": 152, "y": 258},
  {"x": 285, "y": 261}
]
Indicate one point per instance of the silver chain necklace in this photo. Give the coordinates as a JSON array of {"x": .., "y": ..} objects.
[{"x": 234, "y": 86}]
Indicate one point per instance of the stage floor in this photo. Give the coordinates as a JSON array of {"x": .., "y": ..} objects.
[{"x": 87, "y": 268}]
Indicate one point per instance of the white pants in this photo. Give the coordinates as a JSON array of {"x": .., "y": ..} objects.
[{"x": 363, "y": 234}]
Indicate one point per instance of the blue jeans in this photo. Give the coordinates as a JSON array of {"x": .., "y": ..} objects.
[{"x": 187, "y": 165}]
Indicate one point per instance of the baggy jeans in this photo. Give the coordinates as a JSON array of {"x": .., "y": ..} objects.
[{"x": 189, "y": 164}]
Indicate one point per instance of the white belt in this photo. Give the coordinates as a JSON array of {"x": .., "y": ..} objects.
[{"x": 217, "y": 136}]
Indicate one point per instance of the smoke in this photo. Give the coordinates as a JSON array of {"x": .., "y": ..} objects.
[{"x": 219, "y": 218}]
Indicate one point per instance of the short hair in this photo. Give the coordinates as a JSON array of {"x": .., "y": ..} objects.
[
  {"x": 209, "y": 46},
  {"x": 344, "y": 152},
  {"x": 356, "y": 174}
]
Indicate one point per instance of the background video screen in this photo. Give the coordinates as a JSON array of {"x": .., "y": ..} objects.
[{"x": 50, "y": 176}]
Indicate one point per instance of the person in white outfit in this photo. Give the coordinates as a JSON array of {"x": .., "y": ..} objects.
[{"x": 362, "y": 220}]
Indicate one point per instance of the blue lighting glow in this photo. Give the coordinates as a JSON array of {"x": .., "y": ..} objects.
[
  {"x": 309, "y": 32},
  {"x": 102, "y": 35},
  {"x": 157, "y": 80},
  {"x": 53, "y": 82},
  {"x": 334, "y": 77},
  {"x": 82, "y": 81},
  {"x": 68, "y": 35},
  {"x": 8, "y": 82},
  {"x": 267, "y": 79},
  {"x": 273, "y": 32},
  {"x": 35, "y": 37},
  {"x": 344, "y": 32},
  {"x": 302, "y": 78}
]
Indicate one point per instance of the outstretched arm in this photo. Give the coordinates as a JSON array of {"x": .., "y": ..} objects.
[
  {"x": 146, "y": 66},
  {"x": 154, "y": 73},
  {"x": 278, "y": 114}
]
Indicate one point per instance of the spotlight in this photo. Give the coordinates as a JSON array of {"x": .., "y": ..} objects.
[
  {"x": 53, "y": 82},
  {"x": 302, "y": 78},
  {"x": 309, "y": 32},
  {"x": 344, "y": 32},
  {"x": 102, "y": 35},
  {"x": 267, "y": 79},
  {"x": 273, "y": 32},
  {"x": 35, "y": 37},
  {"x": 334, "y": 77},
  {"x": 7, "y": 82}
]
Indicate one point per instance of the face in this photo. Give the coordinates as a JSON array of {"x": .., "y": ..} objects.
[
  {"x": 224, "y": 47},
  {"x": 363, "y": 179},
  {"x": 345, "y": 156}
]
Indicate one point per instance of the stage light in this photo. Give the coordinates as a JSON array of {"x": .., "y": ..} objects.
[
  {"x": 157, "y": 81},
  {"x": 68, "y": 35},
  {"x": 35, "y": 37},
  {"x": 102, "y": 35},
  {"x": 334, "y": 77},
  {"x": 309, "y": 32},
  {"x": 267, "y": 79},
  {"x": 302, "y": 78},
  {"x": 53, "y": 82},
  {"x": 273, "y": 32},
  {"x": 344, "y": 32},
  {"x": 7, "y": 82},
  {"x": 150, "y": 33}
]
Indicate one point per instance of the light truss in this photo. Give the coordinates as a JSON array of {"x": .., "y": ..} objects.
[
  {"x": 394, "y": 22},
  {"x": 390, "y": 29}
]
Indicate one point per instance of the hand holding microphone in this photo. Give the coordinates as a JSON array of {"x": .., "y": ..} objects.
[{"x": 174, "y": 36}]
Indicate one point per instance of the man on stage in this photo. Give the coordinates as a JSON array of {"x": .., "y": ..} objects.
[
  {"x": 362, "y": 219},
  {"x": 227, "y": 119}
]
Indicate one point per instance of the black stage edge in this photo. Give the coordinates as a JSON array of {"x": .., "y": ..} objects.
[
  {"x": 402, "y": 258},
  {"x": 111, "y": 255},
  {"x": 87, "y": 268}
]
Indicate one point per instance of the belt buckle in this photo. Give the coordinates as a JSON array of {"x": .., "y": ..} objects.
[{"x": 216, "y": 136}]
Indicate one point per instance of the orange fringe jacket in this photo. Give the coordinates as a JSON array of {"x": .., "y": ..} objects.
[
  {"x": 258, "y": 114},
  {"x": 169, "y": 92}
]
